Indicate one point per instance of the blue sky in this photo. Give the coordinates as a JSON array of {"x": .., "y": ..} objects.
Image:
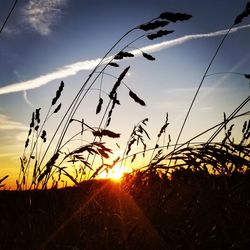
[{"x": 47, "y": 37}]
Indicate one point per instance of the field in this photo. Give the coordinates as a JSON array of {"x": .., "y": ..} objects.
[
  {"x": 192, "y": 211},
  {"x": 182, "y": 194}
]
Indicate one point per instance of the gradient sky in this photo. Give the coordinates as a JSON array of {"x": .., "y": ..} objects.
[{"x": 44, "y": 37}]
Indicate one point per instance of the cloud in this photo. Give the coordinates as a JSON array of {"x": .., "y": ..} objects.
[
  {"x": 187, "y": 38},
  {"x": 8, "y": 155},
  {"x": 179, "y": 91},
  {"x": 21, "y": 136},
  {"x": 25, "y": 95},
  {"x": 10, "y": 31},
  {"x": 45, "y": 79},
  {"x": 26, "y": 99},
  {"x": 73, "y": 69},
  {"x": 42, "y": 14},
  {"x": 7, "y": 124},
  {"x": 206, "y": 108}
]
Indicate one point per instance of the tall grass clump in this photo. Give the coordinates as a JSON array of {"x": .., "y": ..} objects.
[
  {"x": 45, "y": 161},
  {"x": 2, "y": 185}
]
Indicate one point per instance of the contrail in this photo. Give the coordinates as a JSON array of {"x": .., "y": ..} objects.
[
  {"x": 184, "y": 39},
  {"x": 25, "y": 96},
  {"x": 65, "y": 71},
  {"x": 74, "y": 68}
]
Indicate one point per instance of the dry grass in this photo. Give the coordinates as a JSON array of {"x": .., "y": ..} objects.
[
  {"x": 34, "y": 156},
  {"x": 192, "y": 196}
]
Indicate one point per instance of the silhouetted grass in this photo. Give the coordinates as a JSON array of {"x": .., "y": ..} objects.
[
  {"x": 33, "y": 157},
  {"x": 189, "y": 195},
  {"x": 208, "y": 156},
  {"x": 1, "y": 181},
  {"x": 193, "y": 210}
]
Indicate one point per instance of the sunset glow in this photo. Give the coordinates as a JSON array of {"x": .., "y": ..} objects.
[
  {"x": 115, "y": 173},
  {"x": 124, "y": 124}
]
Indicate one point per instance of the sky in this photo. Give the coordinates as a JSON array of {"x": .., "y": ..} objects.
[{"x": 45, "y": 42}]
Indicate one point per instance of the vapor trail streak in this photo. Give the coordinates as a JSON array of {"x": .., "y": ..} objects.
[{"x": 74, "y": 68}]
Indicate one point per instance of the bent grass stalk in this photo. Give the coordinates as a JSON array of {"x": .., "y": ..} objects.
[
  {"x": 98, "y": 148},
  {"x": 238, "y": 19},
  {"x": 180, "y": 146},
  {"x": 200, "y": 85},
  {"x": 78, "y": 99},
  {"x": 219, "y": 126},
  {"x": 73, "y": 104}
]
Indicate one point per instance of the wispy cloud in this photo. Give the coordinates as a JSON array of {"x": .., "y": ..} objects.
[
  {"x": 187, "y": 38},
  {"x": 205, "y": 108},
  {"x": 73, "y": 69},
  {"x": 66, "y": 71},
  {"x": 179, "y": 91},
  {"x": 7, "y": 124},
  {"x": 25, "y": 97},
  {"x": 42, "y": 14},
  {"x": 21, "y": 136},
  {"x": 10, "y": 31},
  {"x": 8, "y": 155}
]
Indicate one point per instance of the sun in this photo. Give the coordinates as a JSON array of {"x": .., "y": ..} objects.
[{"x": 115, "y": 174}]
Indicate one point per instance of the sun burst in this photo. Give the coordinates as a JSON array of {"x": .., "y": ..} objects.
[{"x": 115, "y": 173}]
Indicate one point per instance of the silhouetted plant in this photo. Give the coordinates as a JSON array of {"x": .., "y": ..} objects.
[
  {"x": 1, "y": 181},
  {"x": 42, "y": 173},
  {"x": 198, "y": 157}
]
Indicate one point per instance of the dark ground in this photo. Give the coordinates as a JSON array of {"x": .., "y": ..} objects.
[{"x": 193, "y": 211}]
